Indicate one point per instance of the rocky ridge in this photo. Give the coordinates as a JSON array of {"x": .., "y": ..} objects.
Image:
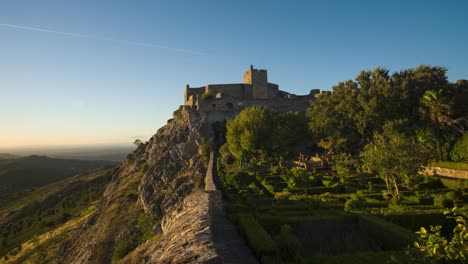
[{"x": 161, "y": 177}]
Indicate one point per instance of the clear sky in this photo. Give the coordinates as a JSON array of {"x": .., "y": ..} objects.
[{"x": 107, "y": 72}]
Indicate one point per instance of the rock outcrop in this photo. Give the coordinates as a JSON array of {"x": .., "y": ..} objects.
[{"x": 162, "y": 177}]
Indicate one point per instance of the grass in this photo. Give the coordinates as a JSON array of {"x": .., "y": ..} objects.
[
  {"x": 49, "y": 207},
  {"x": 451, "y": 165}
]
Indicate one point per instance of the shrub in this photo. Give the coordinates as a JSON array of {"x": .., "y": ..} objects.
[
  {"x": 425, "y": 200},
  {"x": 342, "y": 164},
  {"x": 205, "y": 147},
  {"x": 146, "y": 225},
  {"x": 288, "y": 245},
  {"x": 391, "y": 236},
  {"x": 433, "y": 247},
  {"x": 239, "y": 179},
  {"x": 125, "y": 242},
  {"x": 207, "y": 95},
  {"x": 353, "y": 204},
  {"x": 144, "y": 167},
  {"x": 460, "y": 149},
  {"x": 447, "y": 203},
  {"x": 228, "y": 159},
  {"x": 257, "y": 238},
  {"x": 454, "y": 195}
]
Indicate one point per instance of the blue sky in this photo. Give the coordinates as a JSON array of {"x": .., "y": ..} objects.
[{"x": 106, "y": 72}]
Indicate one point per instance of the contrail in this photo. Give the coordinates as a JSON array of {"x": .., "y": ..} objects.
[{"x": 142, "y": 44}]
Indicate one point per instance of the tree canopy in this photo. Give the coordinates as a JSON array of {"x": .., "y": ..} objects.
[
  {"x": 348, "y": 117},
  {"x": 258, "y": 133}
]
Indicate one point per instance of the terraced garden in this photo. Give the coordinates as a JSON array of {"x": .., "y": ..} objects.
[{"x": 316, "y": 216}]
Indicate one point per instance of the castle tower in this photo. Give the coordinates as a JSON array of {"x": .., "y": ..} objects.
[{"x": 259, "y": 81}]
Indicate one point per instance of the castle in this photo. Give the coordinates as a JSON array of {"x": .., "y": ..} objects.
[{"x": 219, "y": 102}]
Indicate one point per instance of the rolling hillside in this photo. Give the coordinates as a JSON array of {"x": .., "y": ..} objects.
[{"x": 19, "y": 175}]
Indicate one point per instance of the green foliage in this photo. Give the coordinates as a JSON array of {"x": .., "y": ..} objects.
[
  {"x": 460, "y": 150},
  {"x": 125, "y": 242},
  {"x": 288, "y": 244},
  {"x": 65, "y": 201},
  {"x": 341, "y": 164},
  {"x": 425, "y": 200},
  {"x": 134, "y": 235},
  {"x": 296, "y": 177},
  {"x": 347, "y": 118},
  {"x": 146, "y": 225},
  {"x": 257, "y": 238},
  {"x": 144, "y": 167},
  {"x": 207, "y": 95},
  {"x": 206, "y": 147},
  {"x": 395, "y": 157},
  {"x": 258, "y": 134},
  {"x": 388, "y": 235},
  {"x": 239, "y": 179},
  {"x": 432, "y": 247},
  {"x": 355, "y": 203}
]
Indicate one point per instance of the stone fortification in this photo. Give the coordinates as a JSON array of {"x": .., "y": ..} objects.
[{"x": 220, "y": 102}]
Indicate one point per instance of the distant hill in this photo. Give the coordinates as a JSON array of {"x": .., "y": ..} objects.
[
  {"x": 35, "y": 226},
  {"x": 8, "y": 156},
  {"x": 23, "y": 173},
  {"x": 112, "y": 153}
]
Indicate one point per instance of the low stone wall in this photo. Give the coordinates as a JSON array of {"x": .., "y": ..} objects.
[
  {"x": 187, "y": 234},
  {"x": 438, "y": 171}
]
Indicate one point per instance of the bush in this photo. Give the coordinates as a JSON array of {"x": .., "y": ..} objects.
[
  {"x": 144, "y": 167},
  {"x": 425, "y": 200},
  {"x": 228, "y": 159},
  {"x": 391, "y": 236},
  {"x": 454, "y": 195},
  {"x": 460, "y": 150},
  {"x": 288, "y": 245},
  {"x": 447, "y": 203},
  {"x": 353, "y": 204},
  {"x": 257, "y": 238},
  {"x": 239, "y": 179},
  {"x": 207, "y": 95}
]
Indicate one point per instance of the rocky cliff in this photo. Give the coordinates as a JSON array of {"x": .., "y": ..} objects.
[{"x": 155, "y": 180}]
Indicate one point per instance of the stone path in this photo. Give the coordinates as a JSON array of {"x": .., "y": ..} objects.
[{"x": 229, "y": 244}]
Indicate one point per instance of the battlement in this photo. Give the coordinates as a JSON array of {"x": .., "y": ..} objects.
[{"x": 225, "y": 101}]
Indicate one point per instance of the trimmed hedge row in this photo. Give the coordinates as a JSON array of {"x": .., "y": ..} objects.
[
  {"x": 389, "y": 235},
  {"x": 257, "y": 238}
]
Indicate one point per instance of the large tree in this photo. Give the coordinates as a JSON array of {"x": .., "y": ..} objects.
[
  {"x": 258, "y": 133},
  {"x": 394, "y": 156},
  {"x": 436, "y": 109},
  {"x": 355, "y": 110}
]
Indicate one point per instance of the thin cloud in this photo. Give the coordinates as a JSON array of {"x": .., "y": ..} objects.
[{"x": 77, "y": 35}]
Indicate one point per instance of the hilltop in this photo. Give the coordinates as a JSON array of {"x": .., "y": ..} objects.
[{"x": 337, "y": 202}]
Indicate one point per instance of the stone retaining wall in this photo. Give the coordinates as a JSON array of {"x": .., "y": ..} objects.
[{"x": 460, "y": 174}]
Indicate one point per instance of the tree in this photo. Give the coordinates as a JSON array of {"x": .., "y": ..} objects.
[
  {"x": 394, "y": 156},
  {"x": 435, "y": 108},
  {"x": 137, "y": 142},
  {"x": 258, "y": 133},
  {"x": 249, "y": 133}
]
